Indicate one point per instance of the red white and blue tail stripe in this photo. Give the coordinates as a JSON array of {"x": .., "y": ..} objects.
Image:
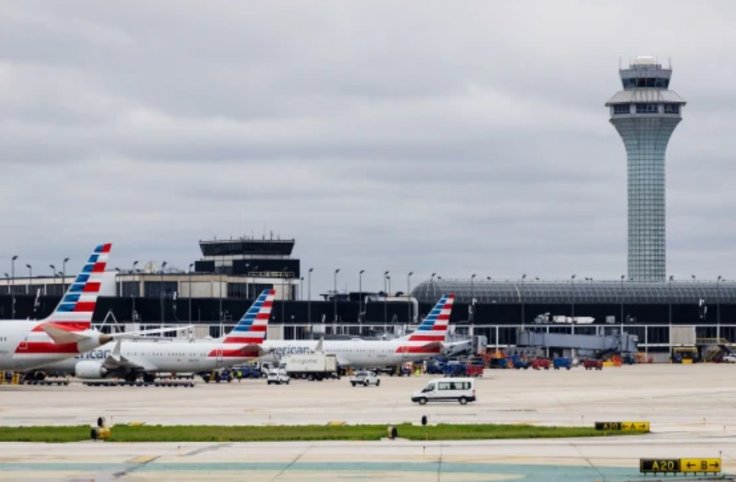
[
  {"x": 74, "y": 311},
  {"x": 432, "y": 332},
  {"x": 253, "y": 325}
]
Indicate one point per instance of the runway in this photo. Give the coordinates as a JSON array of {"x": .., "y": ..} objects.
[{"x": 692, "y": 410}]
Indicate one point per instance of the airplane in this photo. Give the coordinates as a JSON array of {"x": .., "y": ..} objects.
[
  {"x": 67, "y": 331},
  {"x": 132, "y": 359},
  {"x": 427, "y": 340}
]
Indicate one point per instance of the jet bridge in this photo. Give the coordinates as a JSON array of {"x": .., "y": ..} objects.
[{"x": 623, "y": 343}]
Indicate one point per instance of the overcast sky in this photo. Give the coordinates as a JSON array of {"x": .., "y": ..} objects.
[{"x": 449, "y": 137}]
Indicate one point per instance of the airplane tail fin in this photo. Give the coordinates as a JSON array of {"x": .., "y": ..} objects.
[
  {"x": 432, "y": 332},
  {"x": 252, "y": 326},
  {"x": 74, "y": 311}
]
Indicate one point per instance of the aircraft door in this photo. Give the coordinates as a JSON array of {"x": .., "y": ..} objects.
[{"x": 218, "y": 357}]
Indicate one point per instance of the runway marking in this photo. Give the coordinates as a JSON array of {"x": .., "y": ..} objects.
[
  {"x": 291, "y": 464},
  {"x": 134, "y": 464},
  {"x": 333, "y": 470},
  {"x": 209, "y": 448}
]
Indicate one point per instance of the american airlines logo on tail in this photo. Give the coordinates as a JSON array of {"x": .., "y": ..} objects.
[
  {"x": 431, "y": 333},
  {"x": 75, "y": 310},
  {"x": 252, "y": 326}
]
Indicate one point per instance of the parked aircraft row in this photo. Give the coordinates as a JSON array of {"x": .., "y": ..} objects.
[
  {"x": 67, "y": 331},
  {"x": 66, "y": 341}
]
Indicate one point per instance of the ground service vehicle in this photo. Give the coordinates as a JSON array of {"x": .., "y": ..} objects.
[
  {"x": 519, "y": 363},
  {"x": 311, "y": 366},
  {"x": 685, "y": 354},
  {"x": 278, "y": 376},
  {"x": 460, "y": 390},
  {"x": 454, "y": 369},
  {"x": 730, "y": 358},
  {"x": 562, "y": 362},
  {"x": 472, "y": 370},
  {"x": 591, "y": 364},
  {"x": 541, "y": 363},
  {"x": 365, "y": 378}
]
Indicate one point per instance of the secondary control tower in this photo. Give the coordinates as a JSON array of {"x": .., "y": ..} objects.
[{"x": 645, "y": 113}]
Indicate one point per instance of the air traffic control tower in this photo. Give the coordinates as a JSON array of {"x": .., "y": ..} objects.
[{"x": 645, "y": 113}]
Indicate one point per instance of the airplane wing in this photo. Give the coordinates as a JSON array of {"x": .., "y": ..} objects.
[
  {"x": 257, "y": 348},
  {"x": 434, "y": 345},
  {"x": 133, "y": 335},
  {"x": 428, "y": 348},
  {"x": 61, "y": 334},
  {"x": 116, "y": 360}
]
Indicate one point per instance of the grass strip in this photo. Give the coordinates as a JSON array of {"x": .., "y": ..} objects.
[{"x": 283, "y": 433}]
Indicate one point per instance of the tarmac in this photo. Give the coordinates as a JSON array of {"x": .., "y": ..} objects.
[{"x": 692, "y": 410}]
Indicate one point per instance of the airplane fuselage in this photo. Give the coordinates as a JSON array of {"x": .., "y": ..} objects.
[
  {"x": 161, "y": 356},
  {"x": 22, "y": 348},
  {"x": 355, "y": 353}
]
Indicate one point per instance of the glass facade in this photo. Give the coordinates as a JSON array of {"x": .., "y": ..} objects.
[
  {"x": 645, "y": 133},
  {"x": 584, "y": 292}
]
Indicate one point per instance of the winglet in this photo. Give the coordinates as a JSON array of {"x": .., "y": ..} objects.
[{"x": 62, "y": 335}]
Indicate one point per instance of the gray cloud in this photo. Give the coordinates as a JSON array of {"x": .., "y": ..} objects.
[{"x": 428, "y": 136}]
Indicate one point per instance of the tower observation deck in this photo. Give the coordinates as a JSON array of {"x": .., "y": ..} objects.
[{"x": 645, "y": 113}]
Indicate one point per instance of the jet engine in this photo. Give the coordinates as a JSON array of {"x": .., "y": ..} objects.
[{"x": 90, "y": 370}]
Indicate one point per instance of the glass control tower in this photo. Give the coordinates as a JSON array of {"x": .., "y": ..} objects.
[{"x": 645, "y": 113}]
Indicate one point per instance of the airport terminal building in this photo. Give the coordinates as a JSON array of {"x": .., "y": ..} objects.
[{"x": 216, "y": 289}]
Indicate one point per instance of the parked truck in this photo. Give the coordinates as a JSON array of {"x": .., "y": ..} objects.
[{"x": 311, "y": 366}]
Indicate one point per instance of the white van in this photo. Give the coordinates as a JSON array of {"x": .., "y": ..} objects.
[{"x": 447, "y": 390}]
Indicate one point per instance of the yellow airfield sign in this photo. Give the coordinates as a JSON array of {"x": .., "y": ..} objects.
[
  {"x": 688, "y": 466},
  {"x": 623, "y": 426},
  {"x": 700, "y": 465}
]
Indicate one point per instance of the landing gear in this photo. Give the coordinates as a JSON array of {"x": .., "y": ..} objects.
[
  {"x": 131, "y": 378},
  {"x": 149, "y": 378}
]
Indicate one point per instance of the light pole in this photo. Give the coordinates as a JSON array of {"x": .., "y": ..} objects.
[
  {"x": 283, "y": 295},
  {"x": 30, "y": 277},
  {"x": 360, "y": 295},
  {"x": 669, "y": 334},
  {"x": 161, "y": 297},
  {"x": 718, "y": 304},
  {"x": 385, "y": 303},
  {"x": 53, "y": 273},
  {"x": 572, "y": 299},
  {"x": 472, "y": 297},
  {"x": 434, "y": 292},
  {"x": 134, "y": 293},
  {"x": 621, "y": 293},
  {"x": 119, "y": 283},
  {"x": 523, "y": 277},
  {"x": 219, "y": 284},
  {"x": 63, "y": 275},
  {"x": 408, "y": 296},
  {"x": 191, "y": 266},
  {"x": 309, "y": 295},
  {"x": 334, "y": 296},
  {"x": 12, "y": 289}
]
